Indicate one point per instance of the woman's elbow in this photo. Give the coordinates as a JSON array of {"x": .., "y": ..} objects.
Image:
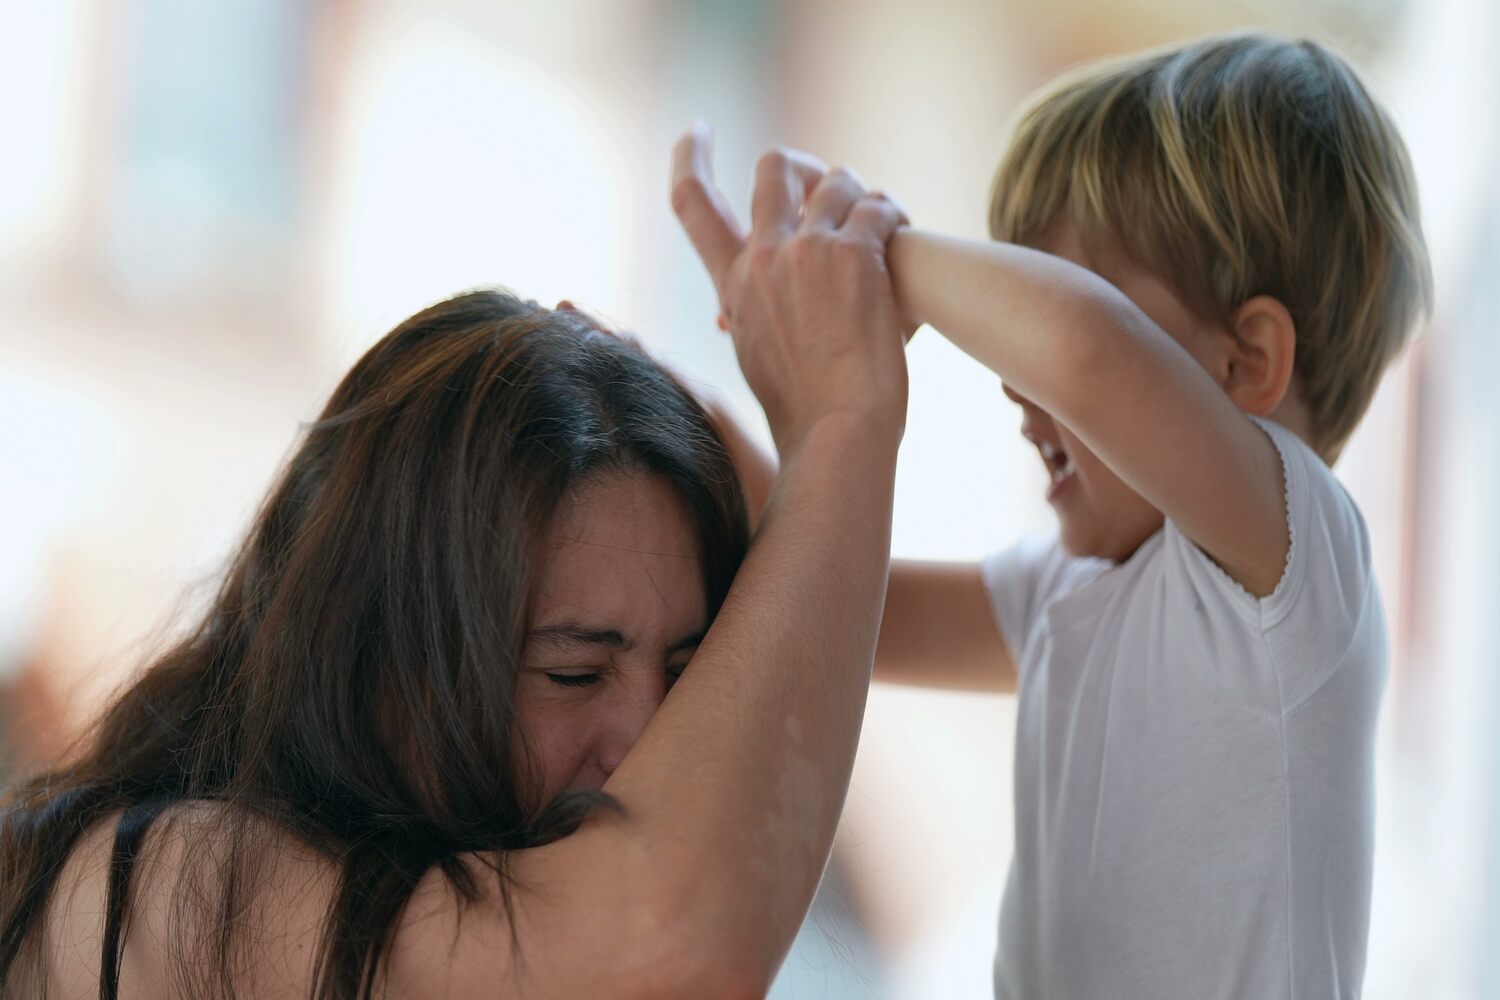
[
  {"x": 700, "y": 949},
  {"x": 687, "y": 974}
]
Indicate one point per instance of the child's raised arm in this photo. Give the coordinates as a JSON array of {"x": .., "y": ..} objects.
[{"x": 1075, "y": 345}]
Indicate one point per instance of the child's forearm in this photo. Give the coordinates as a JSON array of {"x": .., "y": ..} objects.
[
  {"x": 938, "y": 631},
  {"x": 1079, "y": 349},
  {"x": 1037, "y": 320}
]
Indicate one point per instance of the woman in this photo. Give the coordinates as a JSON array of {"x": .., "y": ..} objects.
[{"x": 407, "y": 750}]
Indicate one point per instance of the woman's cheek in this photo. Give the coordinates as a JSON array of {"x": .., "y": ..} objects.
[
  {"x": 545, "y": 749},
  {"x": 561, "y": 745}
]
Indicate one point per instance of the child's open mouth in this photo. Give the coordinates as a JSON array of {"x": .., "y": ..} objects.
[{"x": 1059, "y": 466}]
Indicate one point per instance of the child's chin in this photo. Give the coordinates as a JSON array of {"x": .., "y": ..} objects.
[
  {"x": 1076, "y": 540},
  {"x": 1085, "y": 541}
]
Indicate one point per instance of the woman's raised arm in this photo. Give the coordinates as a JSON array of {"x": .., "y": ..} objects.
[{"x": 732, "y": 794}]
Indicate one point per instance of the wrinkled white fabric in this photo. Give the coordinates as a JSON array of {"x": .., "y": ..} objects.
[{"x": 1194, "y": 770}]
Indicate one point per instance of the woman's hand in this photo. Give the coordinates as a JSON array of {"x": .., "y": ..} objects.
[{"x": 807, "y": 297}]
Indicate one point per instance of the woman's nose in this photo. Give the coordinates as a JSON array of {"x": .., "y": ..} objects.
[{"x": 636, "y": 701}]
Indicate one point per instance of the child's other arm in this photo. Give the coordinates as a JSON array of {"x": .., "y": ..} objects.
[
  {"x": 1081, "y": 350},
  {"x": 937, "y": 630}
]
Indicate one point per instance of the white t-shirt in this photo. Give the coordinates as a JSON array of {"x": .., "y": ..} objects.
[{"x": 1194, "y": 786}]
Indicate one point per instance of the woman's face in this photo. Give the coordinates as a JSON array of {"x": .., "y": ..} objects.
[{"x": 618, "y": 611}]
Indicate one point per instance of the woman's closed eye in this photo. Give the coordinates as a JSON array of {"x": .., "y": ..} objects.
[{"x": 574, "y": 678}]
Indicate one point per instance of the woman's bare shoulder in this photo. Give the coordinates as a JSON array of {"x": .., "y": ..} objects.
[
  {"x": 560, "y": 916},
  {"x": 443, "y": 945},
  {"x": 185, "y": 863},
  {"x": 73, "y": 923}
]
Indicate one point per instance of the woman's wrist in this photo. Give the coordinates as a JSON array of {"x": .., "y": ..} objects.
[
  {"x": 864, "y": 437},
  {"x": 756, "y": 468}
]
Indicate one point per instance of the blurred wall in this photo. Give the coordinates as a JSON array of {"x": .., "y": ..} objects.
[{"x": 208, "y": 211}]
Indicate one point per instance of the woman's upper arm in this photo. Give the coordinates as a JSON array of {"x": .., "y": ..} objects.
[
  {"x": 574, "y": 926},
  {"x": 939, "y": 630},
  {"x": 581, "y": 925}
]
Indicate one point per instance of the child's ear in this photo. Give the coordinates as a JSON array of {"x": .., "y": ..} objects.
[{"x": 1261, "y": 356}]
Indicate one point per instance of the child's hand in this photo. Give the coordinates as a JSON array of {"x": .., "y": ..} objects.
[{"x": 807, "y": 296}]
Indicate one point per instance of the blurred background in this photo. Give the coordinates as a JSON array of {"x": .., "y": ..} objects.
[{"x": 209, "y": 209}]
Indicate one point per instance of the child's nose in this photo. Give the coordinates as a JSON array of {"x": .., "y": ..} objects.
[
  {"x": 1032, "y": 417},
  {"x": 1028, "y": 408}
]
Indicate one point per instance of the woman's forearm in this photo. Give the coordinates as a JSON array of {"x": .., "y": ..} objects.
[
  {"x": 739, "y": 780},
  {"x": 756, "y": 469}
]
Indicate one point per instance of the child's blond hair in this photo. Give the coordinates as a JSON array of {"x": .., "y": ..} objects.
[{"x": 1233, "y": 167}]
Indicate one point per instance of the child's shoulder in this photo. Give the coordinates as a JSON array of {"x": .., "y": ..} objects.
[
  {"x": 1326, "y": 602},
  {"x": 1328, "y": 530},
  {"x": 1330, "y": 542}
]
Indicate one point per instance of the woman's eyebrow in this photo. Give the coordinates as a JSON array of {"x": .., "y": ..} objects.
[{"x": 573, "y": 634}]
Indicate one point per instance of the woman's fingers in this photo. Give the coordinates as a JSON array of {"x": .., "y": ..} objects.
[
  {"x": 874, "y": 218},
  {"x": 777, "y": 202},
  {"x": 802, "y": 323},
  {"x": 873, "y": 221},
  {"x": 783, "y": 180},
  {"x": 808, "y": 168},
  {"x": 700, "y": 206},
  {"x": 830, "y": 202}
]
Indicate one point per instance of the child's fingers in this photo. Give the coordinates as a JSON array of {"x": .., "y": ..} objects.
[
  {"x": 700, "y": 206},
  {"x": 567, "y": 305}
]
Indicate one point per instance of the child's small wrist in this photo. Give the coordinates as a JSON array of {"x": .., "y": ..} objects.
[{"x": 899, "y": 255}]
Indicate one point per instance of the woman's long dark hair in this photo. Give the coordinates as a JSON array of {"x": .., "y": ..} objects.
[{"x": 352, "y": 682}]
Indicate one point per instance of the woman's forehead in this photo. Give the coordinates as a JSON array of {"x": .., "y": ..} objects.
[
  {"x": 629, "y": 510},
  {"x": 621, "y": 552}
]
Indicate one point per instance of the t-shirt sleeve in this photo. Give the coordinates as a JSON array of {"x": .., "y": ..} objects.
[
  {"x": 1019, "y": 581},
  {"x": 1325, "y": 593}
]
